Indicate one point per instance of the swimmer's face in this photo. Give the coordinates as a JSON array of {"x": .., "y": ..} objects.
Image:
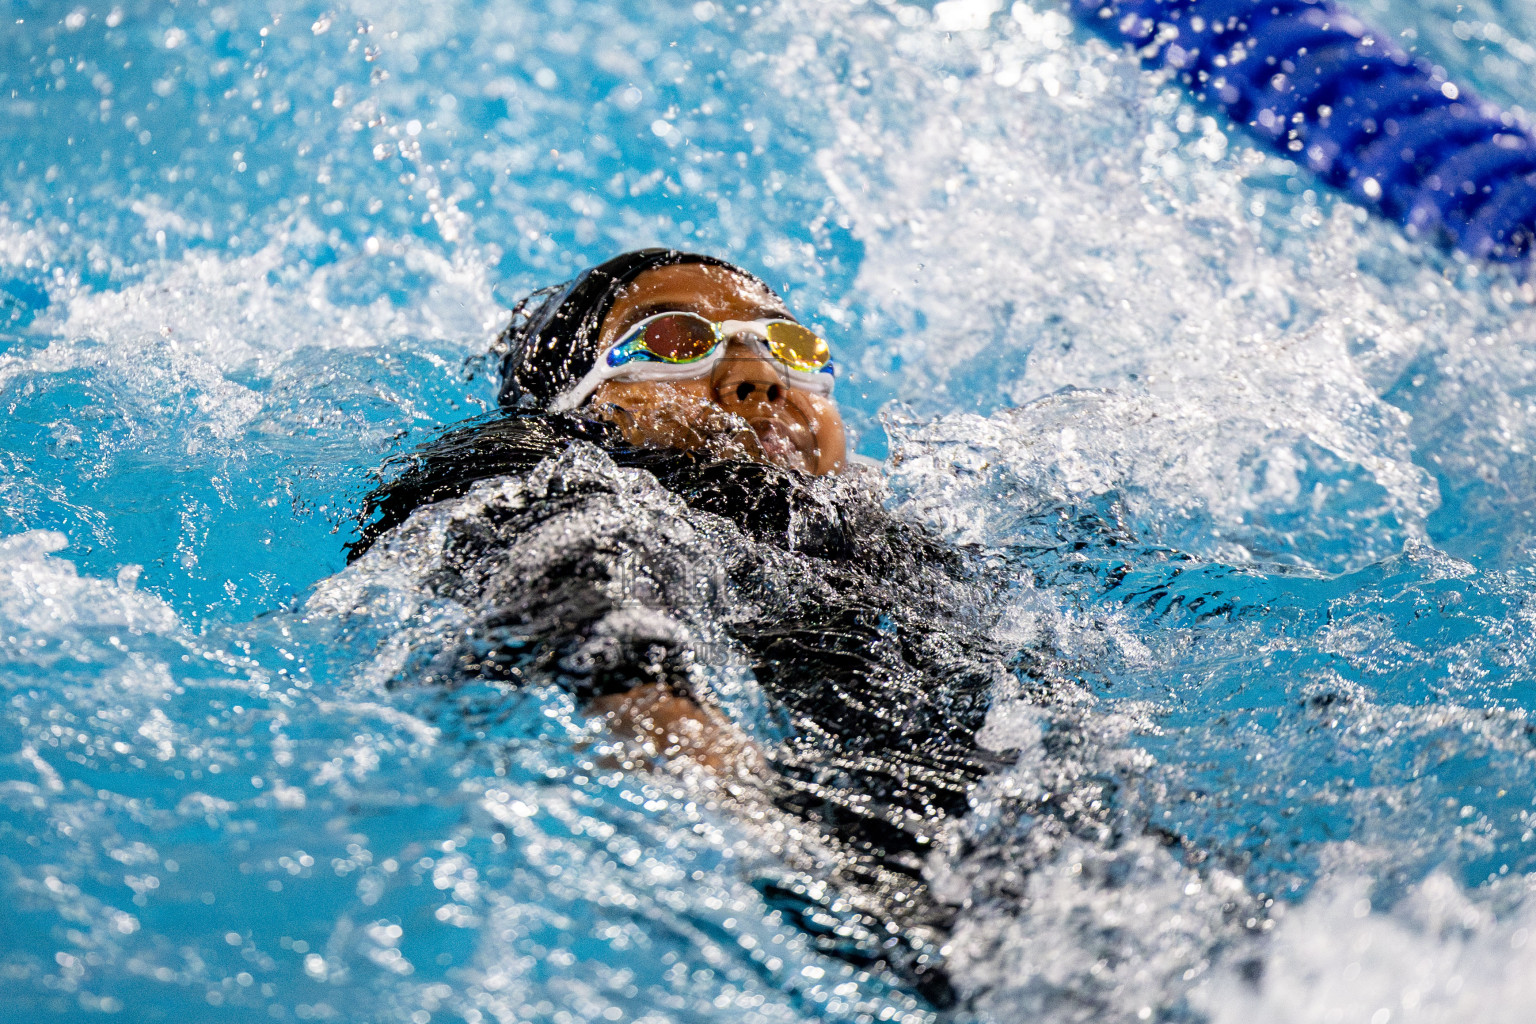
[{"x": 745, "y": 406}]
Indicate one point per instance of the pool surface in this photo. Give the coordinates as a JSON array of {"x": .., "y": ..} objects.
[{"x": 1259, "y": 468}]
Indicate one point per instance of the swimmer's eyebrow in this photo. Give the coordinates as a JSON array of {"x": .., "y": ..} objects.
[{"x": 645, "y": 309}]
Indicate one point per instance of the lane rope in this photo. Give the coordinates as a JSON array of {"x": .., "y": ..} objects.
[{"x": 1314, "y": 83}]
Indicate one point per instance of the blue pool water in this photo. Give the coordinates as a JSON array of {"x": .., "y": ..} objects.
[{"x": 1258, "y": 469}]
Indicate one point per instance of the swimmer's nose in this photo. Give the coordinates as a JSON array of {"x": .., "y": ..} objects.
[{"x": 747, "y": 377}]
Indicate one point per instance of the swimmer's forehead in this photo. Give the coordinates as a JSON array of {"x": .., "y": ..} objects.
[{"x": 718, "y": 293}]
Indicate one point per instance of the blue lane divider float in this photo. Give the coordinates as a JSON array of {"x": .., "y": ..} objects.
[{"x": 1314, "y": 83}]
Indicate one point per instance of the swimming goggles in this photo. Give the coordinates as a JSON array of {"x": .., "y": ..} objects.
[{"x": 682, "y": 346}]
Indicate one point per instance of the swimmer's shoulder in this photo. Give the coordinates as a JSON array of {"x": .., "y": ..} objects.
[{"x": 448, "y": 464}]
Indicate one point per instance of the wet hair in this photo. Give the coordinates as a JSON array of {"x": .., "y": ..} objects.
[{"x": 553, "y": 340}]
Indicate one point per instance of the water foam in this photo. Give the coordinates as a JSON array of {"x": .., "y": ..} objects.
[
  {"x": 997, "y": 209},
  {"x": 1438, "y": 955}
]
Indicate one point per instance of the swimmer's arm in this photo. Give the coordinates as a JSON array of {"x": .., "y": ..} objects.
[{"x": 669, "y": 726}]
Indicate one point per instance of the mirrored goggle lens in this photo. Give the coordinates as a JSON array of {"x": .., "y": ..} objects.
[
  {"x": 679, "y": 339},
  {"x": 798, "y": 347},
  {"x": 669, "y": 338}
]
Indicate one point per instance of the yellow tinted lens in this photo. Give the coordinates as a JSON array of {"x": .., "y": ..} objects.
[{"x": 798, "y": 347}]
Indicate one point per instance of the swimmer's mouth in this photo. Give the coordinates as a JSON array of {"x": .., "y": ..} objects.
[
  {"x": 778, "y": 438},
  {"x": 790, "y": 446}
]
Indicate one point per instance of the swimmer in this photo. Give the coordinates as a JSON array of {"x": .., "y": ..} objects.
[
  {"x": 679, "y": 352},
  {"x": 668, "y": 478}
]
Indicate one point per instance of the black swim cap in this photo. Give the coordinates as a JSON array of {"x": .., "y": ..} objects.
[{"x": 552, "y": 340}]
